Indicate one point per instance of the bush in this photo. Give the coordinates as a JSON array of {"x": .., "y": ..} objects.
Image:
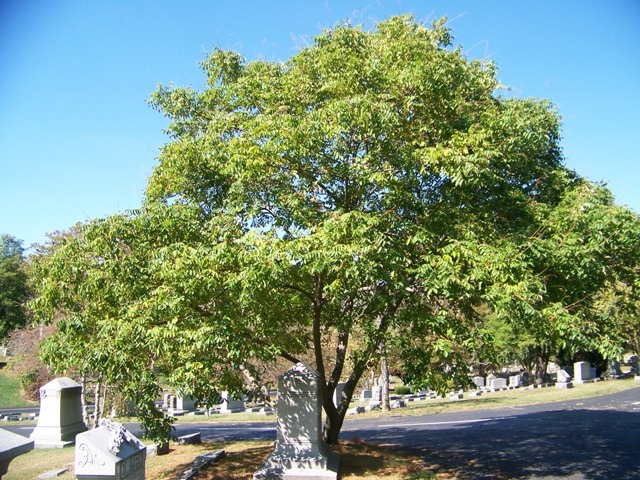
[{"x": 403, "y": 390}]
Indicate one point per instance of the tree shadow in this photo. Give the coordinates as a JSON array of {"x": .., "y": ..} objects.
[{"x": 589, "y": 444}]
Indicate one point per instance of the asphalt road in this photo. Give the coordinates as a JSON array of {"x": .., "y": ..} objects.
[{"x": 587, "y": 439}]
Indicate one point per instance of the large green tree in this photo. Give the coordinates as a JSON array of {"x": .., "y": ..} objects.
[
  {"x": 13, "y": 285},
  {"x": 371, "y": 188}
]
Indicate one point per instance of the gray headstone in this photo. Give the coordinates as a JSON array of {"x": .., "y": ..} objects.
[
  {"x": 563, "y": 379},
  {"x": 109, "y": 452},
  {"x": 337, "y": 393},
  {"x": 12, "y": 445},
  {"x": 582, "y": 372},
  {"x": 60, "y": 418},
  {"x": 300, "y": 451},
  {"x": 614, "y": 369}
]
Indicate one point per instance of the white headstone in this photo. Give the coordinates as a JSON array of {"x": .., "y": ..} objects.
[
  {"x": 376, "y": 393},
  {"x": 60, "y": 417},
  {"x": 12, "y": 445},
  {"x": 365, "y": 395},
  {"x": 479, "y": 382},
  {"x": 300, "y": 451},
  {"x": 231, "y": 404},
  {"x": 498, "y": 383},
  {"x": 185, "y": 403},
  {"x": 515, "y": 381},
  {"x": 109, "y": 452}
]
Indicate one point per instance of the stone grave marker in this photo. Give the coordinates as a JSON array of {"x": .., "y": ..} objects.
[
  {"x": 515, "y": 381},
  {"x": 11, "y": 445},
  {"x": 563, "y": 379},
  {"x": 300, "y": 451},
  {"x": 582, "y": 372},
  {"x": 109, "y": 452},
  {"x": 479, "y": 382},
  {"x": 60, "y": 417},
  {"x": 614, "y": 369},
  {"x": 230, "y": 404},
  {"x": 366, "y": 394},
  {"x": 337, "y": 393},
  {"x": 376, "y": 393},
  {"x": 186, "y": 403},
  {"x": 498, "y": 383}
]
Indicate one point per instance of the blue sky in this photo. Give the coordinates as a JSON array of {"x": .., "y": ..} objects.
[{"x": 78, "y": 140}]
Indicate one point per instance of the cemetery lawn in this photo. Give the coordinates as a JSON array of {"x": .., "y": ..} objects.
[
  {"x": 10, "y": 392},
  {"x": 359, "y": 460}
]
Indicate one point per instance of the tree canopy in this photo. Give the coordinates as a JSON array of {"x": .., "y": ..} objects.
[
  {"x": 13, "y": 285},
  {"x": 374, "y": 187}
]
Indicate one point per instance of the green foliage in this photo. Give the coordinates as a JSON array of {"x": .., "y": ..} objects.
[
  {"x": 403, "y": 390},
  {"x": 373, "y": 187},
  {"x": 13, "y": 285}
]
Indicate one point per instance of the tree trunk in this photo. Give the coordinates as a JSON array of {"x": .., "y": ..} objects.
[
  {"x": 384, "y": 378},
  {"x": 97, "y": 413},
  {"x": 541, "y": 366},
  {"x": 83, "y": 401}
]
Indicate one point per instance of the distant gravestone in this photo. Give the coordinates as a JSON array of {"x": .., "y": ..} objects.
[
  {"x": 582, "y": 372},
  {"x": 563, "y": 379},
  {"x": 479, "y": 382},
  {"x": 300, "y": 451},
  {"x": 185, "y": 403},
  {"x": 614, "y": 369},
  {"x": 60, "y": 417},
  {"x": 376, "y": 393},
  {"x": 230, "y": 404},
  {"x": 109, "y": 452},
  {"x": 11, "y": 445},
  {"x": 498, "y": 383},
  {"x": 365, "y": 395},
  {"x": 515, "y": 381},
  {"x": 337, "y": 393}
]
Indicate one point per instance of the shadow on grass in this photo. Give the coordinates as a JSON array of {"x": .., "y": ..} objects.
[{"x": 235, "y": 465}]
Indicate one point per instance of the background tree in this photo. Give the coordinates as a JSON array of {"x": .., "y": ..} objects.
[
  {"x": 13, "y": 285},
  {"x": 374, "y": 186}
]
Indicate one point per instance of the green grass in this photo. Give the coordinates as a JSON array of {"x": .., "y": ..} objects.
[
  {"x": 361, "y": 461},
  {"x": 10, "y": 393}
]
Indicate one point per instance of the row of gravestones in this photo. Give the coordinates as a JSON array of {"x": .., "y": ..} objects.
[
  {"x": 111, "y": 452},
  {"x": 178, "y": 405}
]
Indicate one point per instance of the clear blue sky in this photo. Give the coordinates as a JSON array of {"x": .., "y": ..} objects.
[{"x": 78, "y": 141}]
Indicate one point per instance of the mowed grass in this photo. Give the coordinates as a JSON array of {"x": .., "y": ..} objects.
[
  {"x": 359, "y": 460},
  {"x": 10, "y": 392}
]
